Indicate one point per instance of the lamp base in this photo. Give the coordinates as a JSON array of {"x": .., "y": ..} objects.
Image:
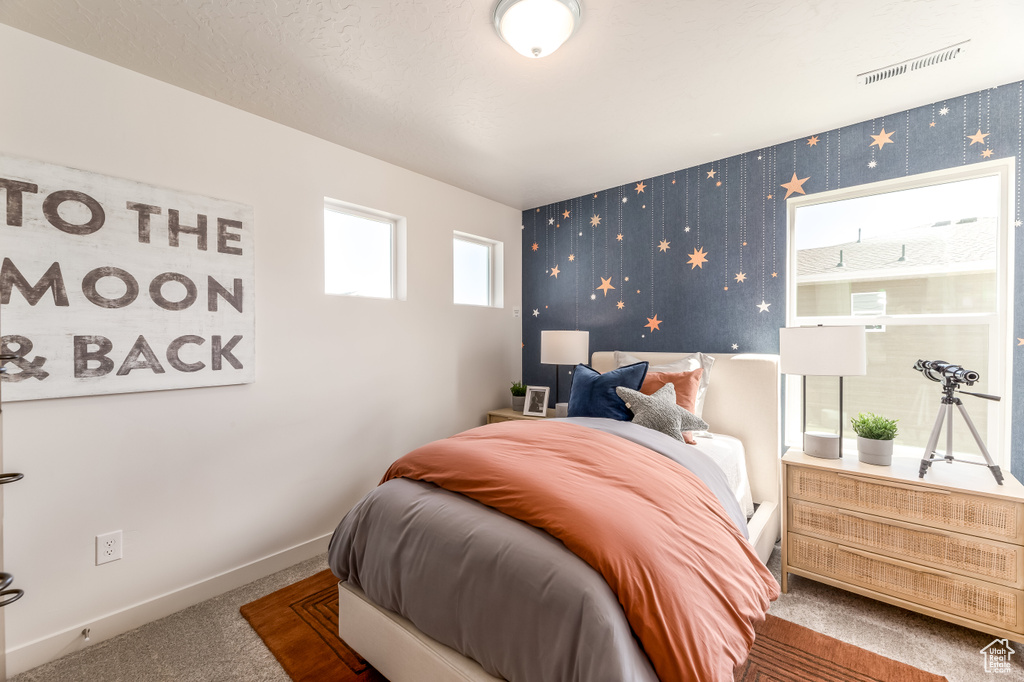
[
  {"x": 561, "y": 410},
  {"x": 823, "y": 445}
]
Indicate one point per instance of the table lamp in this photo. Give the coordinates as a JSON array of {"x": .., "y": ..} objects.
[
  {"x": 823, "y": 351},
  {"x": 563, "y": 348}
]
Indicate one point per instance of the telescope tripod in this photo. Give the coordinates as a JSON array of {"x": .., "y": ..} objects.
[{"x": 946, "y": 414}]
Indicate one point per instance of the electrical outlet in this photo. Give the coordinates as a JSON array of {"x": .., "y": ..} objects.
[
  {"x": 108, "y": 547},
  {"x": 516, "y": 312}
]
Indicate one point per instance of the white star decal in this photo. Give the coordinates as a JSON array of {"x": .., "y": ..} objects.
[
  {"x": 625, "y": 199},
  {"x": 686, "y": 229},
  {"x": 872, "y": 163},
  {"x": 1017, "y": 224},
  {"x": 581, "y": 234},
  {"x": 758, "y": 157},
  {"x": 593, "y": 297},
  {"x": 536, "y": 313},
  {"x": 943, "y": 111},
  {"x": 762, "y": 307},
  {"x": 551, "y": 221},
  {"x": 735, "y": 346}
]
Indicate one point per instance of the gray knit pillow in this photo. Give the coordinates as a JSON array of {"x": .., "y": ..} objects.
[{"x": 660, "y": 411}]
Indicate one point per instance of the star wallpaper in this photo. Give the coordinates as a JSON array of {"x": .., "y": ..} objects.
[{"x": 695, "y": 259}]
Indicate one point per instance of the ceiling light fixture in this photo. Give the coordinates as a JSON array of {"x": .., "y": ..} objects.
[{"x": 536, "y": 28}]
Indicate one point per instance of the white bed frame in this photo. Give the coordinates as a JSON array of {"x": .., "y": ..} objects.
[{"x": 742, "y": 401}]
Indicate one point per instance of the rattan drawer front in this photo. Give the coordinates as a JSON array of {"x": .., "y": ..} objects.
[
  {"x": 971, "y": 514},
  {"x": 987, "y": 603},
  {"x": 964, "y": 554}
]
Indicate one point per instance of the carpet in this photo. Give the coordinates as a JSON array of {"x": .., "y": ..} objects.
[{"x": 299, "y": 624}]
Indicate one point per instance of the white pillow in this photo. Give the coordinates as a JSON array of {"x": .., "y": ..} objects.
[{"x": 686, "y": 363}]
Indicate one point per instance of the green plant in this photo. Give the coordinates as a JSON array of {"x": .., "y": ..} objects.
[
  {"x": 518, "y": 388},
  {"x": 873, "y": 426}
]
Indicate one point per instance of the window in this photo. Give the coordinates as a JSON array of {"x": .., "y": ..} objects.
[
  {"x": 924, "y": 264},
  {"x": 363, "y": 252},
  {"x": 476, "y": 270}
]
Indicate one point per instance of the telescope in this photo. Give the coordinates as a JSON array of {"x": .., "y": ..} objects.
[{"x": 952, "y": 377}]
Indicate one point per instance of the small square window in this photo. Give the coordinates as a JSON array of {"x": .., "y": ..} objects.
[
  {"x": 360, "y": 252},
  {"x": 476, "y": 270}
]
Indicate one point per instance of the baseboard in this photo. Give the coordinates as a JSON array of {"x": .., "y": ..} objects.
[{"x": 54, "y": 646}]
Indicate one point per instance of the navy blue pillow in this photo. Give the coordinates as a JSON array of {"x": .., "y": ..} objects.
[{"x": 593, "y": 394}]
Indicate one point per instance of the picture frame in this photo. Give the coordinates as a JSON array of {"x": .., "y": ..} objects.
[{"x": 536, "y": 401}]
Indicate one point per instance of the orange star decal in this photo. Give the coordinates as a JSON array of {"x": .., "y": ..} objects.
[
  {"x": 566, "y": 214},
  {"x": 769, "y": 196},
  {"x": 987, "y": 153},
  {"x": 664, "y": 246},
  {"x": 572, "y": 257},
  {"x": 595, "y": 220},
  {"x": 932, "y": 124},
  {"x": 741, "y": 277},
  {"x": 653, "y": 323},
  {"x": 718, "y": 184},
  {"x": 698, "y": 258},
  {"x": 812, "y": 141},
  {"x": 535, "y": 246},
  {"x": 640, "y": 187},
  {"x": 711, "y": 173},
  {"x": 555, "y": 271},
  {"x": 978, "y": 137},
  {"x": 775, "y": 274},
  {"x": 606, "y": 284},
  {"x": 620, "y": 305},
  {"x": 618, "y": 237},
  {"x": 1020, "y": 342},
  {"x": 882, "y": 139},
  {"x": 795, "y": 185}
]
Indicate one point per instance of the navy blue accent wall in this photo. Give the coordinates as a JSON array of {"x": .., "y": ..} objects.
[{"x": 696, "y": 259}]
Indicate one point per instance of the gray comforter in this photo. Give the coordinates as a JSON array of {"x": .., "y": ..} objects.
[{"x": 504, "y": 593}]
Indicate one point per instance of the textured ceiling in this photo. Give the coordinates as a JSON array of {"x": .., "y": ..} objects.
[{"x": 643, "y": 88}]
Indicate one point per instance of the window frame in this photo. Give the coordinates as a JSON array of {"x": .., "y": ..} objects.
[
  {"x": 398, "y": 259},
  {"x": 999, "y": 371},
  {"x": 495, "y": 268}
]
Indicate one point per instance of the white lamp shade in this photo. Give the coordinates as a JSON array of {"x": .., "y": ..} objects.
[
  {"x": 823, "y": 351},
  {"x": 536, "y": 28},
  {"x": 564, "y": 347}
]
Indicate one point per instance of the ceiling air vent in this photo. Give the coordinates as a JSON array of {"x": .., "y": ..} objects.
[{"x": 931, "y": 59}]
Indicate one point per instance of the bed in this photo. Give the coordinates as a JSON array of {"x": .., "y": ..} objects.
[{"x": 741, "y": 407}]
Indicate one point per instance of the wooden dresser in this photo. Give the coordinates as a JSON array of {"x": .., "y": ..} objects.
[{"x": 950, "y": 545}]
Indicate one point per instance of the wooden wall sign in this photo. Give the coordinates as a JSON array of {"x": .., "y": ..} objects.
[{"x": 113, "y": 286}]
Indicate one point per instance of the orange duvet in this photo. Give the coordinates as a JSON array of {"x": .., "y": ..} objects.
[{"x": 691, "y": 586}]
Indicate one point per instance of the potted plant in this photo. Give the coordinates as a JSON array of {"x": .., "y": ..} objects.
[
  {"x": 518, "y": 391},
  {"x": 875, "y": 434}
]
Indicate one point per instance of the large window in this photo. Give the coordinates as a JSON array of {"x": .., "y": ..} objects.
[
  {"x": 924, "y": 264},
  {"x": 363, "y": 252},
  {"x": 476, "y": 270}
]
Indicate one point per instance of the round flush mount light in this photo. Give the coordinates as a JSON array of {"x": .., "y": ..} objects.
[{"x": 536, "y": 28}]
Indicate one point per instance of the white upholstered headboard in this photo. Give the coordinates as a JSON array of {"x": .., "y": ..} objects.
[{"x": 742, "y": 401}]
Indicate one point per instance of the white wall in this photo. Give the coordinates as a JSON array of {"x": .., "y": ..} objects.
[{"x": 204, "y": 481}]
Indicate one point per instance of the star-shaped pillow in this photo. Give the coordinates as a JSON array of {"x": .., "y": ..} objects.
[{"x": 659, "y": 411}]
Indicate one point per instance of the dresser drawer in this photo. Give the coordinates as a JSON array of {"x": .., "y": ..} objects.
[
  {"x": 935, "y": 507},
  {"x": 955, "y": 552},
  {"x": 986, "y": 603}
]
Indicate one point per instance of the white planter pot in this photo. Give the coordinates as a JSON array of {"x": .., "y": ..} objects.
[{"x": 878, "y": 452}]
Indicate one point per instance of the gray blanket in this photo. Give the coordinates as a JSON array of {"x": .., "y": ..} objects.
[{"x": 504, "y": 593}]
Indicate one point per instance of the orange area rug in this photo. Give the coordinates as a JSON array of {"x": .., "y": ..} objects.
[{"x": 299, "y": 624}]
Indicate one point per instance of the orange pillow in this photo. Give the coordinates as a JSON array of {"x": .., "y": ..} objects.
[{"x": 686, "y": 383}]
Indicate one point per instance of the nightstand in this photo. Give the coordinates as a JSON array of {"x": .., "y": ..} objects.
[
  {"x": 507, "y": 414},
  {"x": 949, "y": 545}
]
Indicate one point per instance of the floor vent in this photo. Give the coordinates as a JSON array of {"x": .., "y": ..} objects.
[{"x": 924, "y": 61}]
